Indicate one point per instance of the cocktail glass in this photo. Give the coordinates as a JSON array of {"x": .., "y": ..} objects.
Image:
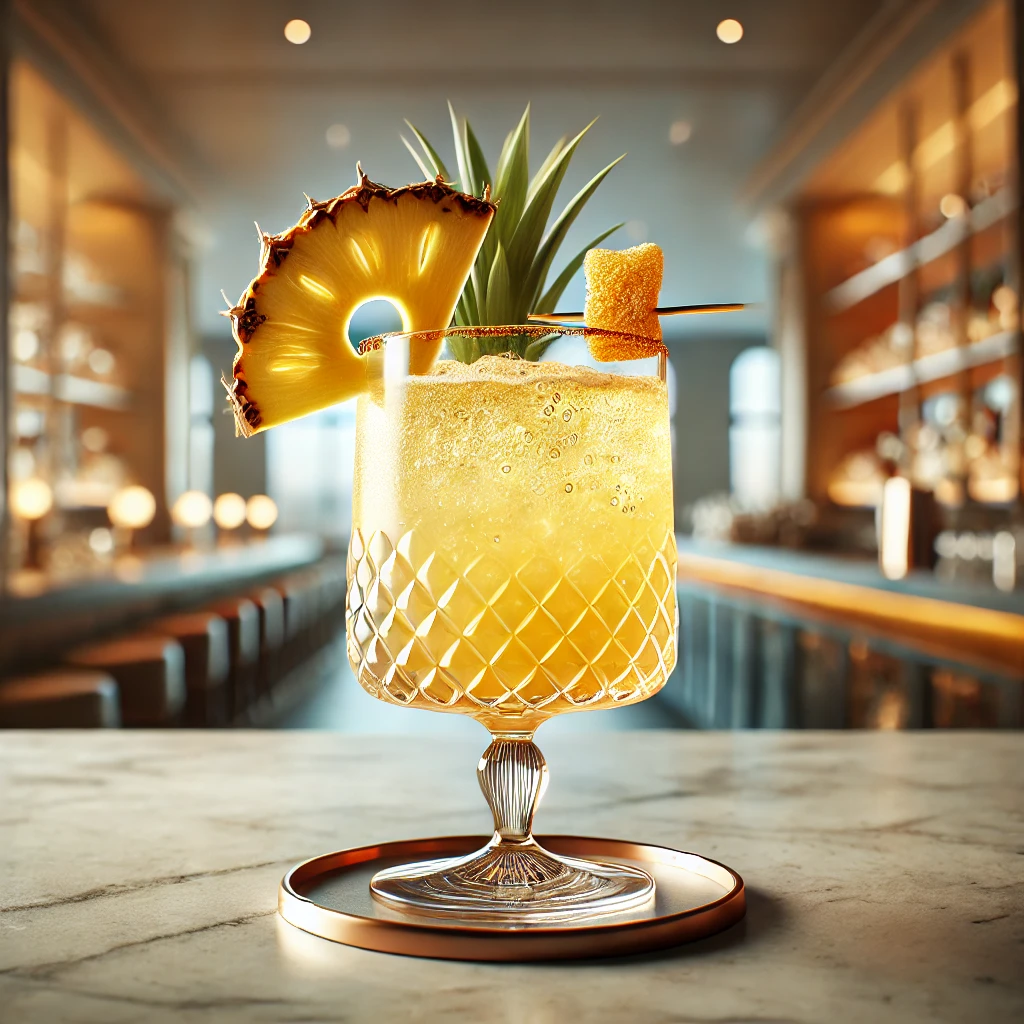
[{"x": 512, "y": 558}]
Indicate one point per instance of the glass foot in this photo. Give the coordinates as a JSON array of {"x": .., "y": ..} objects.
[{"x": 513, "y": 878}]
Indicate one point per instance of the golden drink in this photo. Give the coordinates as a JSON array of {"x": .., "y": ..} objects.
[{"x": 513, "y": 554}]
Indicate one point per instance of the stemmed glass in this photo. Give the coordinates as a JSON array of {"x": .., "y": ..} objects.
[{"x": 512, "y": 558}]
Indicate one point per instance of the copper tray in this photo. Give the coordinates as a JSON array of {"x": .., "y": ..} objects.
[{"x": 329, "y": 896}]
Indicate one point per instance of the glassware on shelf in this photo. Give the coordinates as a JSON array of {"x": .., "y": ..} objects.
[{"x": 512, "y": 559}]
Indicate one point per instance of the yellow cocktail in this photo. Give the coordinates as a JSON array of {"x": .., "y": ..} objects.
[
  {"x": 513, "y": 554},
  {"x": 512, "y": 558}
]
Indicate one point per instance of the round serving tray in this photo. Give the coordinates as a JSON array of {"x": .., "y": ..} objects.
[{"x": 329, "y": 896}]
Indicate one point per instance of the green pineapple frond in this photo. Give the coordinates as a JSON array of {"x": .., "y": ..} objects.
[{"x": 510, "y": 277}]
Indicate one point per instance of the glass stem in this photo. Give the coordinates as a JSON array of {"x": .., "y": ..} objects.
[{"x": 513, "y": 776}]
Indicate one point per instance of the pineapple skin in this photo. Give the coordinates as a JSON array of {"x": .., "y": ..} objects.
[{"x": 293, "y": 354}]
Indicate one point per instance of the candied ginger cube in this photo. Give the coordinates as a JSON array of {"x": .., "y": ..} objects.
[{"x": 622, "y": 289}]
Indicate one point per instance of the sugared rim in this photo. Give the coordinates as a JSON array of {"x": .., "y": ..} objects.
[{"x": 645, "y": 348}]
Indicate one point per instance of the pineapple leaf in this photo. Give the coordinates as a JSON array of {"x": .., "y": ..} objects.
[
  {"x": 548, "y": 301},
  {"x": 538, "y": 347},
  {"x": 498, "y": 288},
  {"x": 435, "y": 161},
  {"x": 546, "y": 165},
  {"x": 427, "y": 173},
  {"x": 513, "y": 179},
  {"x": 482, "y": 177},
  {"x": 509, "y": 274},
  {"x": 466, "y": 181},
  {"x": 477, "y": 161},
  {"x": 546, "y": 253},
  {"x": 528, "y": 233}
]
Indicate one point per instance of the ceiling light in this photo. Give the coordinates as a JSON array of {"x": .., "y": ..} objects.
[
  {"x": 729, "y": 31},
  {"x": 680, "y": 132},
  {"x": 297, "y": 31},
  {"x": 338, "y": 136}
]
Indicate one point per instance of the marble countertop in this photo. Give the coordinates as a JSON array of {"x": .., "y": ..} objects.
[{"x": 139, "y": 871}]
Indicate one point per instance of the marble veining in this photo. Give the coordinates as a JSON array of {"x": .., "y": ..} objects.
[{"x": 139, "y": 875}]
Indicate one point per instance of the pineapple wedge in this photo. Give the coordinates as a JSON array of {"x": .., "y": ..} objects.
[{"x": 413, "y": 245}]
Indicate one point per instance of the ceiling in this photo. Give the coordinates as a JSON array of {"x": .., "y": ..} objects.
[{"x": 252, "y": 109}]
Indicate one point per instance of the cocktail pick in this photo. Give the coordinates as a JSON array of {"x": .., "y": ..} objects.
[{"x": 579, "y": 318}]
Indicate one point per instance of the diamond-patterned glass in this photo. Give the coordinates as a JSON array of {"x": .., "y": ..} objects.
[{"x": 488, "y": 640}]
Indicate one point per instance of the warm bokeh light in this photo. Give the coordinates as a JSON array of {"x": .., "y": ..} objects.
[
  {"x": 338, "y": 136},
  {"x": 261, "y": 512},
  {"x": 729, "y": 31},
  {"x": 1004, "y": 560},
  {"x": 31, "y": 499},
  {"x": 229, "y": 511},
  {"x": 297, "y": 31},
  {"x": 102, "y": 362},
  {"x": 101, "y": 541},
  {"x": 132, "y": 508},
  {"x": 192, "y": 510},
  {"x": 951, "y": 205},
  {"x": 894, "y": 532},
  {"x": 680, "y": 132}
]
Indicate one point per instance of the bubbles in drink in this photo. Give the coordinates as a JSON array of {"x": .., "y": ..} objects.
[{"x": 510, "y": 544}]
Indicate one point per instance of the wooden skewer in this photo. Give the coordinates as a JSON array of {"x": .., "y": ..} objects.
[{"x": 577, "y": 318}]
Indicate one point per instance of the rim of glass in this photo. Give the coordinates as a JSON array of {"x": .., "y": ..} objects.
[{"x": 643, "y": 348}]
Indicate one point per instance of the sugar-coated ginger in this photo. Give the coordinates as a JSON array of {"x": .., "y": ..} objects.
[{"x": 622, "y": 296}]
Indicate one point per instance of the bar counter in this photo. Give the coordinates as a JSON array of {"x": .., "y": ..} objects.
[
  {"x": 141, "y": 869},
  {"x": 959, "y": 621},
  {"x": 778, "y": 638},
  {"x": 40, "y": 614}
]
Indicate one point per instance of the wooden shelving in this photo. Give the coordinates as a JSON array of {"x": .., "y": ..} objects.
[
  {"x": 928, "y": 369},
  {"x": 945, "y": 239}
]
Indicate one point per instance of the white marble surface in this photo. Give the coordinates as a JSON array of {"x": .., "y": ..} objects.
[{"x": 139, "y": 876}]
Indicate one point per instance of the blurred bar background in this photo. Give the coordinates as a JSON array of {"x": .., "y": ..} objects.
[{"x": 848, "y": 455}]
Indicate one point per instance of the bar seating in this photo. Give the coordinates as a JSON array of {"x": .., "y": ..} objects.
[
  {"x": 243, "y": 622},
  {"x": 270, "y": 606},
  {"x": 332, "y": 573},
  {"x": 204, "y": 637},
  {"x": 60, "y": 699},
  {"x": 150, "y": 675},
  {"x": 299, "y": 599}
]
